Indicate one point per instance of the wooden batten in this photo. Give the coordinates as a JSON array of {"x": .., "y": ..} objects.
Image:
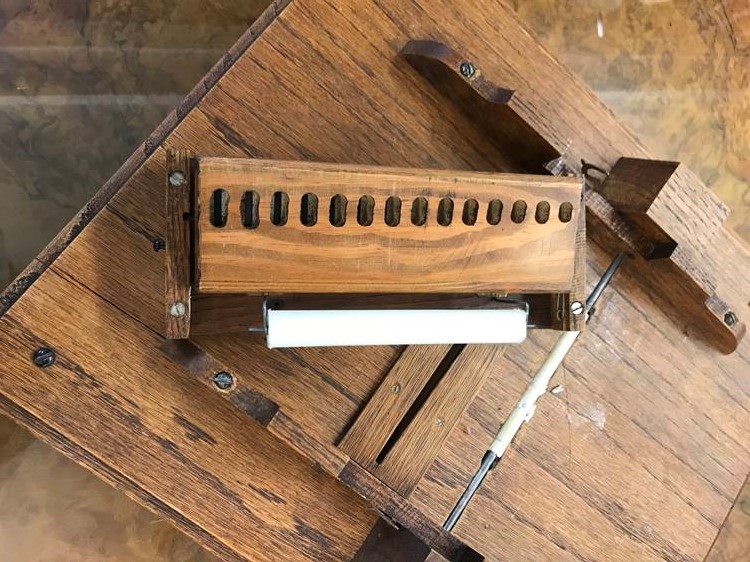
[{"x": 178, "y": 277}]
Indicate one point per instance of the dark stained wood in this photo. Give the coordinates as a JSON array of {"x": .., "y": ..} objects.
[
  {"x": 640, "y": 457},
  {"x": 177, "y": 272}
]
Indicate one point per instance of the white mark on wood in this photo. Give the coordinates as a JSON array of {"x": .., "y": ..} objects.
[{"x": 595, "y": 413}]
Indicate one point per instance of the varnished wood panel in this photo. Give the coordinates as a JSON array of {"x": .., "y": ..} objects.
[{"x": 522, "y": 253}]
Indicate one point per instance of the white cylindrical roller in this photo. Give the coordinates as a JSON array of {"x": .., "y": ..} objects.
[{"x": 309, "y": 328}]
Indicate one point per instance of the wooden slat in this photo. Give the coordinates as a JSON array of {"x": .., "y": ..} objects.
[
  {"x": 178, "y": 283},
  {"x": 424, "y": 437},
  {"x": 526, "y": 255},
  {"x": 390, "y": 402},
  {"x": 401, "y": 459}
]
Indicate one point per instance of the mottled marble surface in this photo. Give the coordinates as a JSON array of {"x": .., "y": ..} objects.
[{"x": 82, "y": 82}]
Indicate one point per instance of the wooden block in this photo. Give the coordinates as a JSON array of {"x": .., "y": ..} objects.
[
  {"x": 665, "y": 204},
  {"x": 178, "y": 279},
  {"x": 368, "y": 435},
  {"x": 528, "y": 251}
]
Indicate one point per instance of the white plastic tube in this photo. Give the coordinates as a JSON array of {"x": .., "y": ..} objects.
[
  {"x": 526, "y": 405},
  {"x": 308, "y": 328}
]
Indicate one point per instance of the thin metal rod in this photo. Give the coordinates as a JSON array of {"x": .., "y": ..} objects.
[
  {"x": 526, "y": 405},
  {"x": 603, "y": 282}
]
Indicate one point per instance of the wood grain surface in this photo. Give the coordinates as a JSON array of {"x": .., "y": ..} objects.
[
  {"x": 639, "y": 458},
  {"x": 521, "y": 253},
  {"x": 732, "y": 544}
]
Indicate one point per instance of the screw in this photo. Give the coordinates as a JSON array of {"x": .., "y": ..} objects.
[
  {"x": 467, "y": 69},
  {"x": 396, "y": 388},
  {"x": 730, "y": 319},
  {"x": 576, "y": 307},
  {"x": 223, "y": 380},
  {"x": 176, "y": 178},
  {"x": 178, "y": 309},
  {"x": 159, "y": 244},
  {"x": 439, "y": 422},
  {"x": 44, "y": 357}
]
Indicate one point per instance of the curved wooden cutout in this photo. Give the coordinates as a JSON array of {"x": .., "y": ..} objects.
[{"x": 489, "y": 105}]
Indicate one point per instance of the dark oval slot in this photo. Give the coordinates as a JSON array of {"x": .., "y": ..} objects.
[
  {"x": 445, "y": 211},
  {"x": 393, "y": 211},
  {"x": 518, "y": 212},
  {"x": 494, "y": 211},
  {"x": 542, "y": 212},
  {"x": 419, "y": 211},
  {"x": 219, "y": 208},
  {"x": 471, "y": 210},
  {"x": 279, "y": 208},
  {"x": 365, "y": 210},
  {"x": 337, "y": 214},
  {"x": 308, "y": 209},
  {"x": 566, "y": 212},
  {"x": 249, "y": 209}
]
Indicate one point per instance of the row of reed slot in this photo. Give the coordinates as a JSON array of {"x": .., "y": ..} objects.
[{"x": 279, "y": 207}]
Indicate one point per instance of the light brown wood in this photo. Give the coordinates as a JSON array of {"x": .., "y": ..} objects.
[
  {"x": 400, "y": 431},
  {"x": 390, "y": 402},
  {"x": 422, "y": 440},
  {"x": 177, "y": 275},
  {"x": 640, "y": 457},
  {"x": 524, "y": 256},
  {"x": 732, "y": 544}
]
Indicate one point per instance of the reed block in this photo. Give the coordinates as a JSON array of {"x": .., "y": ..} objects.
[{"x": 300, "y": 227}]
